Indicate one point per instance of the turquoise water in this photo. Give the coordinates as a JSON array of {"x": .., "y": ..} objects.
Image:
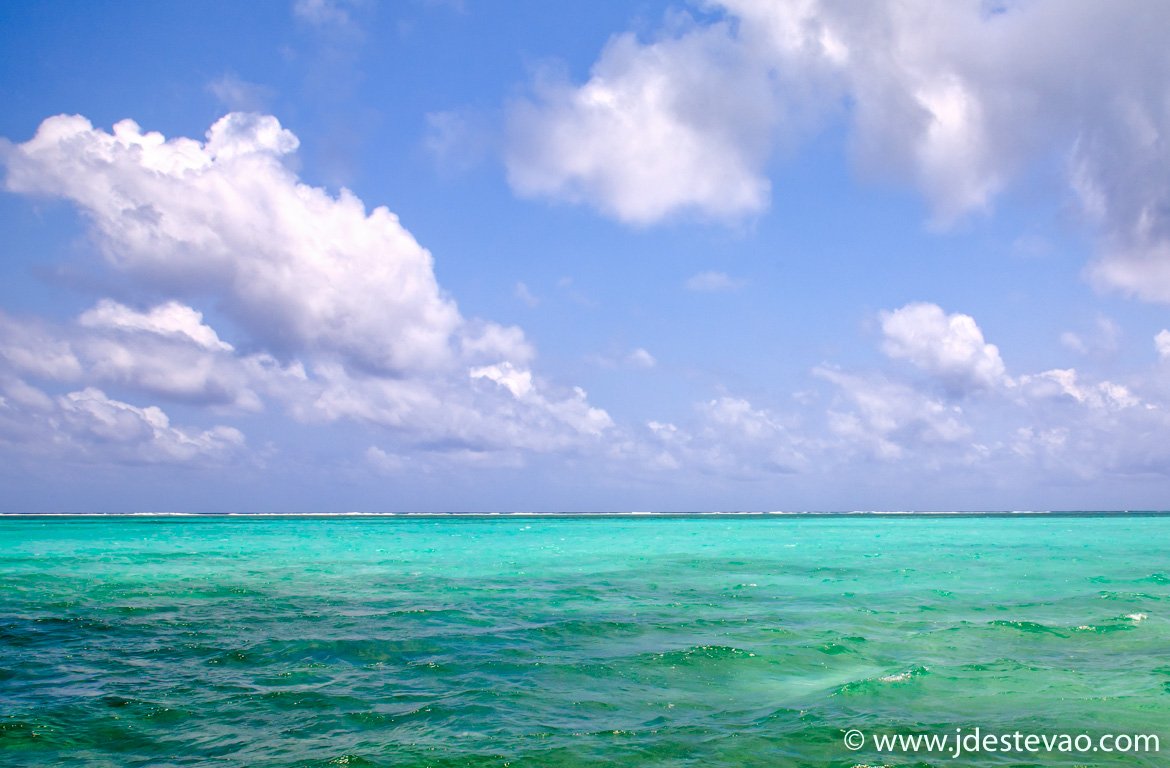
[{"x": 516, "y": 641}]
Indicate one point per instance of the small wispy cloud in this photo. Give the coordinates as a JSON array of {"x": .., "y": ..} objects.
[
  {"x": 322, "y": 13},
  {"x": 713, "y": 282},
  {"x": 239, "y": 95},
  {"x": 457, "y": 140},
  {"x": 640, "y": 358},
  {"x": 1162, "y": 344},
  {"x": 637, "y": 358},
  {"x": 522, "y": 292},
  {"x": 1103, "y": 340}
]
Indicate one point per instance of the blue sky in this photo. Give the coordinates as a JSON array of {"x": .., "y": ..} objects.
[{"x": 458, "y": 256}]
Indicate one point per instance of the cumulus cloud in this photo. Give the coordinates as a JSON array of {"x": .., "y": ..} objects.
[
  {"x": 950, "y": 347},
  {"x": 166, "y": 351},
  {"x": 1064, "y": 383},
  {"x": 299, "y": 269},
  {"x": 655, "y": 130},
  {"x": 170, "y": 320},
  {"x": 573, "y": 410},
  {"x": 887, "y": 419},
  {"x": 1060, "y": 424},
  {"x": 89, "y": 425},
  {"x": 728, "y": 437},
  {"x": 737, "y": 435},
  {"x": 958, "y": 99},
  {"x": 1086, "y": 429},
  {"x": 337, "y": 306},
  {"x": 1057, "y": 424},
  {"x": 143, "y": 432}
]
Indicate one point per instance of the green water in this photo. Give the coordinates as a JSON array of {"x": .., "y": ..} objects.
[{"x": 714, "y": 641}]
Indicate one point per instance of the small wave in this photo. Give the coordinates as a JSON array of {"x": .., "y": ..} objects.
[
  {"x": 348, "y": 759},
  {"x": 874, "y": 684},
  {"x": 1134, "y": 596},
  {"x": 1123, "y": 624},
  {"x": 835, "y": 649},
  {"x": 1004, "y": 665},
  {"x": 701, "y": 653},
  {"x": 902, "y": 677},
  {"x": 1030, "y": 627}
]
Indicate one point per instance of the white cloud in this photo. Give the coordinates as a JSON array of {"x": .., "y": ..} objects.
[
  {"x": 950, "y": 347},
  {"x": 573, "y": 411},
  {"x": 171, "y": 319},
  {"x": 1162, "y": 344},
  {"x": 1065, "y": 382},
  {"x": 1104, "y": 340},
  {"x": 146, "y": 432},
  {"x": 958, "y": 99},
  {"x": 637, "y": 358},
  {"x": 30, "y": 348},
  {"x": 640, "y": 358},
  {"x": 518, "y": 382},
  {"x": 298, "y": 269},
  {"x": 499, "y": 407},
  {"x": 729, "y": 437},
  {"x": 655, "y": 130},
  {"x": 483, "y": 341},
  {"x": 739, "y": 438},
  {"x": 88, "y": 425},
  {"x": 1058, "y": 424},
  {"x": 888, "y": 419},
  {"x": 711, "y": 282},
  {"x": 338, "y": 306},
  {"x": 1085, "y": 430},
  {"x": 166, "y": 351}
]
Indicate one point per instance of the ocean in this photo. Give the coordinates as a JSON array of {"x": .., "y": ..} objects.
[{"x": 545, "y": 641}]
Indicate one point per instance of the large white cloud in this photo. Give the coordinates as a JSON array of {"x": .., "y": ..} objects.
[
  {"x": 299, "y": 269},
  {"x": 335, "y": 310},
  {"x": 956, "y": 98}
]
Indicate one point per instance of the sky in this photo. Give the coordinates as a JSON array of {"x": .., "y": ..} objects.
[{"x": 469, "y": 256}]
